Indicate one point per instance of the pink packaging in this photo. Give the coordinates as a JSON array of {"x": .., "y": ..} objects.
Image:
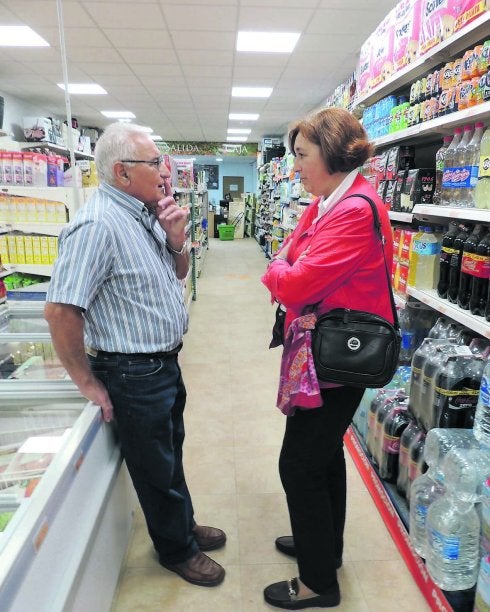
[
  {"x": 39, "y": 170},
  {"x": 382, "y": 50},
  {"x": 17, "y": 168},
  {"x": 364, "y": 68},
  {"x": 441, "y": 18},
  {"x": 27, "y": 163},
  {"x": 7, "y": 174},
  {"x": 407, "y": 32}
]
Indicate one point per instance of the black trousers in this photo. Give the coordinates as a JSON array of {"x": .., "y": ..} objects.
[{"x": 313, "y": 474}]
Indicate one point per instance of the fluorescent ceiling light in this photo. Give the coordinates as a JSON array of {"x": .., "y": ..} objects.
[
  {"x": 251, "y": 92},
  {"x": 84, "y": 88},
  {"x": 267, "y": 42},
  {"x": 243, "y": 116},
  {"x": 148, "y": 130},
  {"x": 218, "y": 159},
  {"x": 20, "y": 36},
  {"x": 239, "y": 131},
  {"x": 236, "y": 138},
  {"x": 119, "y": 114},
  {"x": 156, "y": 137}
]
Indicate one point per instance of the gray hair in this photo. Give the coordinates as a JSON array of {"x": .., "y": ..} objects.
[{"x": 118, "y": 141}]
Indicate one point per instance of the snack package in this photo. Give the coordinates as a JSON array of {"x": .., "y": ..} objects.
[
  {"x": 364, "y": 68},
  {"x": 382, "y": 50},
  {"x": 440, "y": 19},
  {"x": 407, "y": 32}
]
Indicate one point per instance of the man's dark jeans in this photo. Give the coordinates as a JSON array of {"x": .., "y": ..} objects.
[{"x": 148, "y": 395}]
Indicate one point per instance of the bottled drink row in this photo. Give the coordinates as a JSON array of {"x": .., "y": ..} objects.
[{"x": 463, "y": 168}]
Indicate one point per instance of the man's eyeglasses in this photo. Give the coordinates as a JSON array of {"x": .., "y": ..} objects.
[{"x": 156, "y": 163}]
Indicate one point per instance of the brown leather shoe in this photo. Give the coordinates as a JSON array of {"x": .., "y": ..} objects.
[
  {"x": 209, "y": 538},
  {"x": 199, "y": 569}
]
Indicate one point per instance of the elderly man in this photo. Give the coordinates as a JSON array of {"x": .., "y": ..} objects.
[{"x": 117, "y": 317}]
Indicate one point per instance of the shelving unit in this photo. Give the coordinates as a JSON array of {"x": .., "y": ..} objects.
[
  {"x": 424, "y": 134},
  {"x": 28, "y": 146}
]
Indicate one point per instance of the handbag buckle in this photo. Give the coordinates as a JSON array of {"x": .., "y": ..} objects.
[{"x": 346, "y": 315}]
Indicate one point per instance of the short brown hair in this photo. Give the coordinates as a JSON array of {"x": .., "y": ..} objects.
[{"x": 342, "y": 139}]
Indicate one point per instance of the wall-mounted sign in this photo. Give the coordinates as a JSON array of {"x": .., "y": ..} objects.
[{"x": 208, "y": 148}]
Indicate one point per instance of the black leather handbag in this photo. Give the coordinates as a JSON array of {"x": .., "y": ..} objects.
[{"x": 357, "y": 348}]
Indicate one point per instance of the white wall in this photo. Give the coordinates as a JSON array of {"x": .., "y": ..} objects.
[{"x": 14, "y": 110}]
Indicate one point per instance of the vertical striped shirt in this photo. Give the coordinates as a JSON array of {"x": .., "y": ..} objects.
[{"x": 113, "y": 263}]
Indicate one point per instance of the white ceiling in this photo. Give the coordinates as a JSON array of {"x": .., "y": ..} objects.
[{"x": 173, "y": 62}]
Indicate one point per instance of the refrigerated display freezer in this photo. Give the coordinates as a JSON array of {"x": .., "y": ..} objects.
[
  {"x": 23, "y": 319},
  {"x": 71, "y": 504}
]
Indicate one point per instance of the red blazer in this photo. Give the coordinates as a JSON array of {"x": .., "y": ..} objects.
[{"x": 344, "y": 266}]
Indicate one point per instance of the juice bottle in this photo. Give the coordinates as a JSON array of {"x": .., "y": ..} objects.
[
  {"x": 413, "y": 258},
  {"x": 428, "y": 249}
]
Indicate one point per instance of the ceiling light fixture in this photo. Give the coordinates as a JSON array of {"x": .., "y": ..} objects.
[
  {"x": 251, "y": 92},
  {"x": 218, "y": 159},
  {"x": 84, "y": 88},
  {"x": 119, "y": 114},
  {"x": 267, "y": 42},
  {"x": 20, "y": 36},
  {"x": 148, "y": 130},
  {"x": 243, "y": 116},
  {"x": 236, "y": 138},
  {"x": 239, "y": 131},
  {"x": 156, "y": 137}
]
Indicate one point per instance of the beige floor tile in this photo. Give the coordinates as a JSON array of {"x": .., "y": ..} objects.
[{"x": 233, "y": 437}]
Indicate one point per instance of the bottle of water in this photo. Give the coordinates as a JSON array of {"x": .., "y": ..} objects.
[
  {"x": 471, "y": 162},
  {"x": 429, "y": 487},
  {"x": 440, "y": 155},
  {"x": 409, "y": 336},
  {"x": 482, "y": 597},
  {"x": 481, "y": 424},
  {"x": 485, "y": 519},
  {"x": 449, "y": 168},
  {"x": 461, "y": 175},
  {"x": 453, "y": 525}
]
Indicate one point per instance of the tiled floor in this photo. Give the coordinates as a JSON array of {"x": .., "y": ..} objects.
[{"x": 232, "y": 445}]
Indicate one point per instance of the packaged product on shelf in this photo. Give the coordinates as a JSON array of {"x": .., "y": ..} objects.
[
  {"x": 29, "y": 254},
  {"x": 388, "y": 193},
  {"x": 482, "y": 597},
  {"x": 481, "y": 276},
  {"x": 39, "y": 170},
  {"x": 19, "y": 248},
  {"x": 445, "y": 257},
  {"x": 394, "y": 424},
  {"x": 418, "y": 188},
  {"x": 470, "y": 265},
  {"x": 381, "y": 62},
  {"x": 455, "y": 262},
  {"x": 407, "y": 31},
  {"x": 37, "y": 129},
  {"x": 482, "y": 189},
  {"x": 449, "y": 167}
]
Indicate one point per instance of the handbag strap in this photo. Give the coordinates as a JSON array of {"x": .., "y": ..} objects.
[{"x": 379, "y": 233}]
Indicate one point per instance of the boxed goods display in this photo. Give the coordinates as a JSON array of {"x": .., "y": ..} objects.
[
  {"x": 37, "y": 129},
  {"x": 418, "y": 189},
  {"x": 407, "y": 31},
  {"x": 381, "y": 64}
]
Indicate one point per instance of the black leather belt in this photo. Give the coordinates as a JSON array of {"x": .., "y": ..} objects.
[{"x": 161, "y": 355}]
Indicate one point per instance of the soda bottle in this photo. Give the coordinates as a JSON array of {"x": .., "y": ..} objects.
[
  {"x": 471, "y": 161},
  {"x": 481, "y": 274},
  {"x": 445, "y": 256},
  {"x": 413, "y": 257},
  {"x": 481, "y": 426},
  {"x": 409, "y": 336},
  {"x": 410, "y": 433},
  {"x": 371, "y": 431},
  {"x": 482, "y": 189},
  {"x": 455, "y": 263},
  {"x": 440, "y": 156},
  {"x": 416, "y": 462},
  {"x": 428, "y": 250},
  {"x": 381, "y": 414},
  {"x": 449, "y": 167},
  {"x": 432, "y": 365},
  {"x": 482, "y": 597},
  {"x": 461, "y": 175},
  {"x": 395, "y": 423},
  {"x": 468, "y": 265},
  {"x": 429, "y": 487}
]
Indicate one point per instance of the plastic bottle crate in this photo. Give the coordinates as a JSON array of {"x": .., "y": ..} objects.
[{"x": 226, "y": 232}]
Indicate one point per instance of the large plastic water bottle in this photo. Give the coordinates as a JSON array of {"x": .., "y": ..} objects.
[
  {"x": 485, "y": 519},
  {"x": 482, "y": 597},
  {"x": 481, "y": 424},
  {"x": 482, "y": 189},
  {"x": 453, "y": 524},
  {"x": 440, "y": 156},
  {"x": 430, "y": 486},
  {"x": 471, "y": 162}
]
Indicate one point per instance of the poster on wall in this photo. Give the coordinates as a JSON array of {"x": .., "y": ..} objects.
[{"x": 211, "y": 173}]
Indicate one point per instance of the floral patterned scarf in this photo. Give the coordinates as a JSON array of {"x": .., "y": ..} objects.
[{"x": 298, "y": 383}]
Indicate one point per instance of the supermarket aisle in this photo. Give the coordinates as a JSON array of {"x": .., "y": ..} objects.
[{"x": 233, "y": 439}]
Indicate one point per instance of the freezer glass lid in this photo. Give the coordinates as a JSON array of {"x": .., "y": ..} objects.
[
  {"x": 31, "y": 433},
  {"x": 34, "y": 361},
  {"x": 22, "y": 322}
]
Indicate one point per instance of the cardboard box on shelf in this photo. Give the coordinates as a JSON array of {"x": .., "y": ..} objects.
[{"x": 37, "y": 129}]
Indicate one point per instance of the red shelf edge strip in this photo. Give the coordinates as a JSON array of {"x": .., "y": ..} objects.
[{"x": 432, "y": 593}]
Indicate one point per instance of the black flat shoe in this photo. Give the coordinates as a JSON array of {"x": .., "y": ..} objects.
[
  {"x": 285, "y": 544},
  {"x": 285, "y": 595}
]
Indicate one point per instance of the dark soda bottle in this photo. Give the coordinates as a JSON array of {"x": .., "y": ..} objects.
[
  {"x": 381, "y": 414},
  {"x": 394, "y": 424},
  {"x": 371, "y": 418},
  {"x": 445, "y": 257},
  {"x": 468, "y": 265},
  {"x": 410, "y": 433},
  {"x": 455, "y": 263},
  {"x": 416, "y": 463},
  {"x": 479, "y": 288}
]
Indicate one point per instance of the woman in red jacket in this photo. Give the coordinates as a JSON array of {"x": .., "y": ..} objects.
[{"x": 334, "y": 259}]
